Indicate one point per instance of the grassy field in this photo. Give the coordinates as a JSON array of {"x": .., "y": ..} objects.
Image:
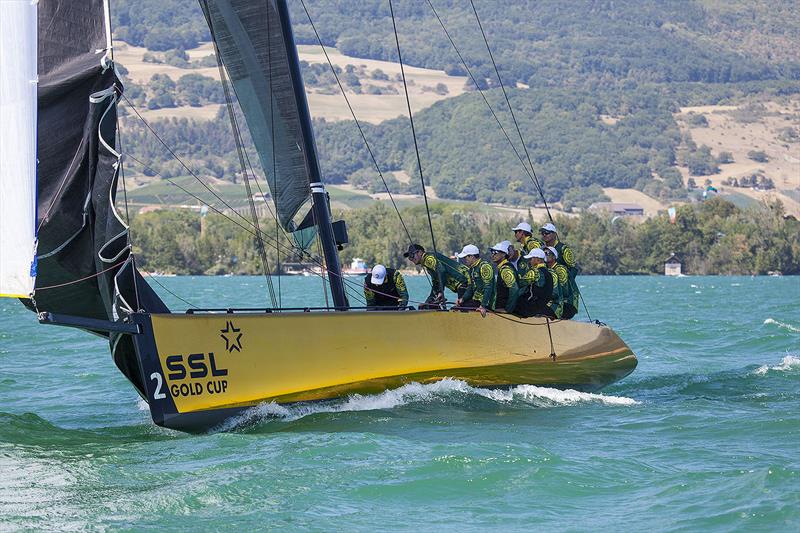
[
  {"x": 368, "y": 107},
  {"x": 740, "y": 129}
]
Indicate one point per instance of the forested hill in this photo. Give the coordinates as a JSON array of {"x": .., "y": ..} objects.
[{"x": 540, "y": 42}]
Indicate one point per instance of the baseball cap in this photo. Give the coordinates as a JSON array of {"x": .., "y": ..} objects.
[
  {"x": 501, "y": 246},
  {"x": 412, "y": 249},
  {"x": 524, "y": 226},
  {"x": 536, "y": 252},
  {"x": 469, "y": 249},
  {"x": 549, "y": 227},
  {"x": 378, "y": 274}
]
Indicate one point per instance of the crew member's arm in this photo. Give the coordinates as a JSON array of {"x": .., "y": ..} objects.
[
  {"x": 510, "y": 280},
  {"x": 470, "y": 292},
  {"x": 369, "y": 296},
  {"x": 569, "y": 260},
  {"x": 487, "y": 276},
  {"x": 400, "y": 283},
  {"x": 430, "y": 264}
]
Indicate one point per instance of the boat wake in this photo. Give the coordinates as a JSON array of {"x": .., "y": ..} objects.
[
  {"x": 790, "y": 362},
  {"x": 440, "y": 391},
  {"x": 782, "y": 325}
]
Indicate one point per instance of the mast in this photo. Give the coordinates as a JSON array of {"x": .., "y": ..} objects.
[{"x": 321, "y": 208}]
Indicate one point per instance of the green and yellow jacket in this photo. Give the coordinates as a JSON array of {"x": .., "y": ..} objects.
[
  {"x": 444, "y": 272},
  {"x": 566, "y": 257},
  {"x": 560, "y": 281},
  {"x": 481, "y": 286},
  {"x": 529, "y": 242},
  {"x": 507, "y": 286},
  {"x": 568, "y": 295}
]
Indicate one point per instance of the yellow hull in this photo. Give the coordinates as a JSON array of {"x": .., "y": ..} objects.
[{"x": 215, "y": 364}]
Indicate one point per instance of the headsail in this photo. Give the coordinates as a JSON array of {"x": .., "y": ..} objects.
[
  {"x": 253, "y": 48},
  {"x": 17, "y": 148},
  {"x": 84, "y": 264}
]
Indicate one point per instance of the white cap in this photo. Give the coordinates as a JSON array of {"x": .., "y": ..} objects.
[
  {"x": 378, "y": 274},
  {"x": 501, "y": 246},
  {"x": 524, "y": 226},
  {"x": 555, "y": 252},
  {"x": 536, "y": 252},
  {"x": 469, "y": 249},
  {"x": 549, "y": 227}
]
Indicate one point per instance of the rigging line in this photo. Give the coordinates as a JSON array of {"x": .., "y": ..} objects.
[
  {"x": 178, "y": 159},
  {"x": 190, "y": 193},
  {"x": 190, "y": 304},
  {"x": 237, "y": 138},
  {"x": 413, "y": 131},
  {"x": 511, "y": 109},
  {"x": 482, "y": 93},
  {"x": 112, "y": 267},
  {"x": 358, "y": 124},
  {"x": 290, "y": 248}
]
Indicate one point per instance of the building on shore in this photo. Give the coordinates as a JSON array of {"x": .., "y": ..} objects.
[
  {"x": 618, "y": 208},
  {"x": 672, "y": 266}
]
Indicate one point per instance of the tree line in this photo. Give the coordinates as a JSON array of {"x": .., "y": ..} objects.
[{"x": 711, "y": 237}]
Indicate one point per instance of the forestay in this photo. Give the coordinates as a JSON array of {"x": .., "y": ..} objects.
[
  {"x": 252, "y": 44},
  {"x": 17, "y": 148}
]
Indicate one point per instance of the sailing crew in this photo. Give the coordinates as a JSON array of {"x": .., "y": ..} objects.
[
  {"x": 569, "y": 299},
  {"x": 523, "y": 233},
  {"x": 565, "y": 257},
  {"x": 507, "y": 286},
  {"x": 560, "y": 281},
  {"x": 481, "y": 286},
  {"x": 537, "y": 286},
  {"x": 385, "y": 289},
  {"x": 443, "y": 272}
]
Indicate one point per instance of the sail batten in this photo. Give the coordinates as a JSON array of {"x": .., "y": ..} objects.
[
  {"x": 253, "y": 50},
  {"x": 18, "y": 148}
]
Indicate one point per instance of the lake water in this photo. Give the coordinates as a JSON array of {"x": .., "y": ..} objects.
[{"x": 703, "y": 436}]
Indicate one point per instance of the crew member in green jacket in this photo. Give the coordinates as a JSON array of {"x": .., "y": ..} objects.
[
  {"x": 537, "y": 287},
  {"x": 566, "y": 257},
  {"x": 569, "y": 298},
  {"x": 480, "y": 289},
  {"x": 385, "y": 289},
  {"x": 516, "y": 260},
  {"x": 443, "y": 271},
  {"x": 560, "y": 281},
  {"x": 524, "y": 236},
  {"x": 507, "y": 289}
]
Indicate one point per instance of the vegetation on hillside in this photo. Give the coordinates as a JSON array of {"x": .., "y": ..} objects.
[
  {"x": 541, "y": 43},
  {"x": 712, "y": 237}
]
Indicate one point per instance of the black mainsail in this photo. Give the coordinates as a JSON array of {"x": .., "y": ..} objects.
[{"x": 256, "y": 46}]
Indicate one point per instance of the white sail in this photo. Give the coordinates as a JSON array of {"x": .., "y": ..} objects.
[{"x": 17, "y": 147}]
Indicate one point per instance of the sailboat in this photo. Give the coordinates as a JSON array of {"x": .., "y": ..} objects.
[{"x": 66, "y": 250}]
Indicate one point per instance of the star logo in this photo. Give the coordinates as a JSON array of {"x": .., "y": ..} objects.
[{"x": 232, "y": 336}]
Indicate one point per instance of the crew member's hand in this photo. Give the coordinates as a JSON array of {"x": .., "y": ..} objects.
[
  {"x": 440, "y": 297},
  {"x": 482, "y": 311},
  {"x": 458, "y": 302}
]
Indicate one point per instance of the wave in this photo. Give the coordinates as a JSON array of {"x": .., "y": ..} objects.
[
  {"x": 790, "y": 362},
  {"x": 782, "y": 325},
  {"x": 410, "y": 393}
]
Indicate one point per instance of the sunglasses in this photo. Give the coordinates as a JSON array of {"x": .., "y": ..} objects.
[{"x": 545, "y": 232}]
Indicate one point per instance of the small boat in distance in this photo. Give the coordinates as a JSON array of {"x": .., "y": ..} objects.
[{"x": 72, "y": 263}]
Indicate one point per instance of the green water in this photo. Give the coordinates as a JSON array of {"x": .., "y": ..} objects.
[{"x": 703, "y": 436}]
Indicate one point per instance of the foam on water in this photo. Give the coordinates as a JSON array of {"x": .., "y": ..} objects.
[
  {"x": 417, "y": 392},
  {"x": 790, "y": 362},
  {"x": 782, "y": 325}
]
